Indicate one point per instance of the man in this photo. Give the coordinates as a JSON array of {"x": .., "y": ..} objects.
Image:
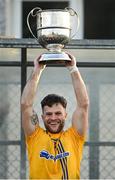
[{"x": 54, "y": 153}]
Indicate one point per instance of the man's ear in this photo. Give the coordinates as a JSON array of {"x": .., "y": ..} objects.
[
  {"x": 66, "y": 114},
  {"x": 42, "y": 116}
]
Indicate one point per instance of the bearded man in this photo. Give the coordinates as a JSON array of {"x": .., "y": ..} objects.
[{"x": 52, "y": 152}]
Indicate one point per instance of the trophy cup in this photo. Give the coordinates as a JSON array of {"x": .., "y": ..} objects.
[{"x": 53, "y": 32}]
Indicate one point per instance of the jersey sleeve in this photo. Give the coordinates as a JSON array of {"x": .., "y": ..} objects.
[
  {"x": 30, "y": 140},
  {"x": 29, "y": 137},
  {"x": 78, "y": 140}
]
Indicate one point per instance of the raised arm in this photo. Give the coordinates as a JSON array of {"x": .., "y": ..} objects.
[
  {"x": 29, "y": 117},
  {"x": 80, "y": 115}
]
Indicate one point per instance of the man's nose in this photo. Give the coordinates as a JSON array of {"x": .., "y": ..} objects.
[{"x": 53, "y": 116}]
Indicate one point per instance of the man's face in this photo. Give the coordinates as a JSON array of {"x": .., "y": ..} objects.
[{"x": 54, "y": 118}]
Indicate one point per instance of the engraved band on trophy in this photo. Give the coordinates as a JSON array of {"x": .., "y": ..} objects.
[{"x": 53, "y": 32}]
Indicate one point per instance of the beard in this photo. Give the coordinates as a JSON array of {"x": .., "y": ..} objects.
[{"x": 59, "y": 126}]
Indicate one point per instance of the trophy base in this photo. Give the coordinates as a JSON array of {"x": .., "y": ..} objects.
[{"x": 54, "y": 58}]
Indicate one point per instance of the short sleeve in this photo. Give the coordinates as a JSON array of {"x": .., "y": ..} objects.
[
  {"x": 79, "y": 139},
  {"x": 33, "y": 136}
]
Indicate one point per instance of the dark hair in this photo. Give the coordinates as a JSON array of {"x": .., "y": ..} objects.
[{"x": 52, "y": 99}]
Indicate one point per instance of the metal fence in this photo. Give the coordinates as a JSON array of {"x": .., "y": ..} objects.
[{"x": 99, "y": 152}]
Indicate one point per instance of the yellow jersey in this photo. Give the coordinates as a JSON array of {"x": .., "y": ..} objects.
[{"x": 55, "y": 156}]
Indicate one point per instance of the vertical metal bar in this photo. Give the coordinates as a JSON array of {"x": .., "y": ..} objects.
[
  {"x": 94, "y": 130},
  {"x": 23, "y": 82}
]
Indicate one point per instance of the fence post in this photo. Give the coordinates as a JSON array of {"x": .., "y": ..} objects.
[
  {"x": 23, "y": 168},
  {"x": 94, "y": 130}
]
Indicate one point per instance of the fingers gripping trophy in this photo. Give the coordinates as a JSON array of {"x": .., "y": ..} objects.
[{"x": 53, "y": 32}]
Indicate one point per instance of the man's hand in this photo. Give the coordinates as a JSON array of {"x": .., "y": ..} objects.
[
  {"x": 72, "y": 62},
  {"x": 37, "y": 65},
  {"x": 71, "y": 65}
]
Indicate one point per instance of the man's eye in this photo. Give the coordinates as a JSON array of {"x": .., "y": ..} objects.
[
  {"x": 58, "y": 113},
  {"x": 48, "y": 114}
]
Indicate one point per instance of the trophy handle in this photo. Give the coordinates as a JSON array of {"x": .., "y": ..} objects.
[
  {"x": 73, "y": 13},
  {"x": 34, "y": 15}
]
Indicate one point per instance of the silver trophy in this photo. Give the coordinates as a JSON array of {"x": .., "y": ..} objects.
[{"x": 53, "y": 32}]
